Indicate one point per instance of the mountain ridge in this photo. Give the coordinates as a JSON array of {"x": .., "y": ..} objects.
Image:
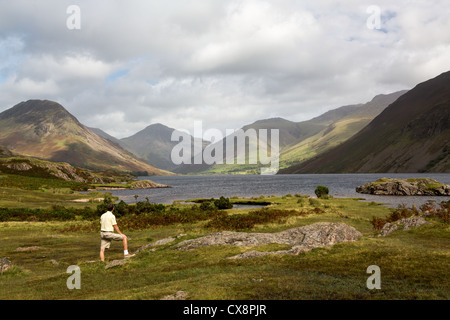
[
  {"x": 305, "y": 139},
  {"x": 46, "y": 130},
  {"x": 410, "y": 135}
]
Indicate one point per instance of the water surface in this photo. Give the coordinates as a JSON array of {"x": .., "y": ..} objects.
[{"x": 339, "y": 185}]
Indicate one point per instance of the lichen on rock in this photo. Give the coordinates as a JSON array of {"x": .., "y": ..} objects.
[{"x": 321, "y": 234}]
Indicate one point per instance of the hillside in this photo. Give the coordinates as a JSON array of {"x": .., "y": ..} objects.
[
  {"x": 340, "y": 130},
  {"x": 411, "y": 135},
  {"x": 300, "y": 141},
  {"x": 5, "y": 152},
  {"x": 44, "y": 129},
  {"x": 31, "y": 167},
  {"x": 153, "y": 144}
]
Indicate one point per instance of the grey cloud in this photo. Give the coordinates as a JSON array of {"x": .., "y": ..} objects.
[{"x": 227, "y": 63}]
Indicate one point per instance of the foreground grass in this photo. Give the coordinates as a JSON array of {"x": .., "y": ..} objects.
[{"x": 414, "y": 264}]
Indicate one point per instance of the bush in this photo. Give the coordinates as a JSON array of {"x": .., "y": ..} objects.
[
  {"x": 321, "y": 192},
  {"x": 223, "y": 203},
  {"x": 207, "y": 206},
  {"x": 223, "y": 221},
  {"x": 314, "y": 202},
  {"x": 429, "y": 209}
]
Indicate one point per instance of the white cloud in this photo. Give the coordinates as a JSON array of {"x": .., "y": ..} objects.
[{"x": 226, "y": 62}]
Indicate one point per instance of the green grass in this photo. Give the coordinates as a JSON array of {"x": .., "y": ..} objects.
[{"x": 414, "y": 264}]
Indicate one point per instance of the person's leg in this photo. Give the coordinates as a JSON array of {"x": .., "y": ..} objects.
[
  {"x": 104, "y": 244},
  {"x": 125, "y": 243}
]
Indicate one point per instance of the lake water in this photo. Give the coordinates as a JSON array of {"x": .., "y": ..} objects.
[{"x": 339, "y": 185}]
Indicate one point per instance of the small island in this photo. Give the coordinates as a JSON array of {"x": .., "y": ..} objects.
[{"x": 405, "y": 187}]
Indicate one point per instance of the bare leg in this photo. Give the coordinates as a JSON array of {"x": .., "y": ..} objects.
[
  {"x": 125, "y": 243},
  {"x": 102, "y": 254}
]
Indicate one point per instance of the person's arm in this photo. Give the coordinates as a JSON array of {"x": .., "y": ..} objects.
[{"x": 116, "y": 227}]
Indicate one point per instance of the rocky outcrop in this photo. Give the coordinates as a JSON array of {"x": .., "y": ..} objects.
[
  {"x": 5, "y": 265},
  {"x": 405, "y": 187},
  {"x": 28, "y": 249},
  {"x": 322, "y": 234},
  {"x": 179, "y": 295},
  {"x": 115, "y": 263},
  {"x": 405, "y": 224},
  {"x": 160, "y": 242},
  {"x": 147, "y": 184},
  {"x": 64, "y": 171}
]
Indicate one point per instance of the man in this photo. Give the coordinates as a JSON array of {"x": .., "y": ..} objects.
[{"x": 108, "y": 225}]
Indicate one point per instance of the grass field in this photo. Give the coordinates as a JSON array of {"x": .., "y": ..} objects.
[{"x": 414, "y": 264}]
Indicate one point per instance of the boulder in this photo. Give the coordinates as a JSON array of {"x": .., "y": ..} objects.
[
  {"x": 159, "y": 243},
  {"x": 179, "y": 295},
  {"x": 405, "y": 187},
  {"x": 405, "y": 224},
  {"x": 322, "y": 234},
  {"x": 28, "y": 249},
  {"x": 115, "y": 263},
  {"x": 5, "y": 265}
]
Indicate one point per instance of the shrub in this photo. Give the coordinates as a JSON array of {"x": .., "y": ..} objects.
[
  {"x": 223, "y": 221},
  {"x": 207, "y": 206},
  {"x": 321, "y": 192},
  {"x": 223, "y": 203},
  {"x": 314, "y": 202}
]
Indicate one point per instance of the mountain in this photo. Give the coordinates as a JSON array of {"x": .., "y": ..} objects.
[
  {"x": 109, "y": 137},
  {"x": 288, "y": 133},
  {"x": 410, "y": 135},
  {"x": 299, "y": 141},
  {"x": 153, "y": 144},
  {"x": 46, "y": 130},
  {"x": 345, "y": 122},
  {"x": 4, "y": 152}
]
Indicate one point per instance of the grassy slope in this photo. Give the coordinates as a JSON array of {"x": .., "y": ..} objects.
[
  {"x": 44, "y": 129},
  {"x": 325, "y": 140},
  {"x": 408, "y": 136},
  {"x": 414, "y": 264},
  {"x": 18, "y": 191},
  {"x": 305, "y": 140}
]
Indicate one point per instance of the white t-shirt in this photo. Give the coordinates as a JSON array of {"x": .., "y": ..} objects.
[{"x": 107, "y": 221}]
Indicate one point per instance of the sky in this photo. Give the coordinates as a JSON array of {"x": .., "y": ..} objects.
[{"x": 123, "y": 65}]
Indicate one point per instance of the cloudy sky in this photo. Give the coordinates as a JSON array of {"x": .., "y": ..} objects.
[{"x": 123, "y": 65}]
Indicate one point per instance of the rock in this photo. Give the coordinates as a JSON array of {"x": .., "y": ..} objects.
[
  {"x": 115, "y": 263},
  {"x": 160, "y": 242},
  {"x": 54, "y": 262},
  {"x": 147, "y": 184},
  {"x": 388, "y": 228},
  {"x": 322, "y": 234},
  {"x": 179, "y": 295},
  {"x": 148, "y": 245},
  {"x": 406, "y": 224},
  {"x": 26, "y": 249},
  {"x": 5, "y": 265},
  {"x": 405, "y": 187}
]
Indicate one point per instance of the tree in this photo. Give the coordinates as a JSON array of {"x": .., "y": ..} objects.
[
  {"x": 321, "y": 192},
  {"x": 223, "y": 203}
]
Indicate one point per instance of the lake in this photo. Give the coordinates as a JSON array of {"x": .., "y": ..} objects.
[{"x": 339, "y": 185}]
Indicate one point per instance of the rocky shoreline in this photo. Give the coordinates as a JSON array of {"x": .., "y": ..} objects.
[
  {"x": 405, "y": 187},
  {"x": 140, "y": 184}
]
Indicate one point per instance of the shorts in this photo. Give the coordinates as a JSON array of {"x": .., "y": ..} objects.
[{"x": 107, "y": 237}]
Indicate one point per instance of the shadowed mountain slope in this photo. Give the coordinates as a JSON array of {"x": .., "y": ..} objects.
[{"x": 411, "y": 135}]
